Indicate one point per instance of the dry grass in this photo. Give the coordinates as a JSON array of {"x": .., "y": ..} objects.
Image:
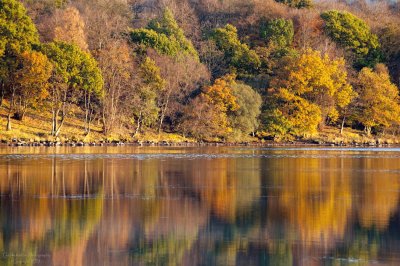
[
  {"x": 36, "y": 127},
  {"x": 351, "y": 136}
]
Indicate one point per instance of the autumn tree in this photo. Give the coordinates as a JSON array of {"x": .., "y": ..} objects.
[
  {"x": 70, "y": 28},
  {"x": 290, "y": 115},
  {"x": 378, "y": 101},
  {"x": 353, "y": 34},
  {"x": 207, "y": 115},
  {"x": 17, "y": 34},
  {"x": 100, "y": 35},
  {"x": 183, "y": 76},
  {"x": 309, "y": 81},
  {"x": 29, "y": 82},
  {"x": 116, "y": 63},
  {"x": 201, "y": 120},
  {"x": 213, "y": 58},
  {"x": 320, "y": 80},
  {"x": 32, "y": 79}
]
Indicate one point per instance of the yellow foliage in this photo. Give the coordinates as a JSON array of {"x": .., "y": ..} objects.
[
  {"x": 221, "y": 98},
  {"x": 320, "y": 80},
  {"x": 70, "y": 28},
  {"x": 379, "y": 101},
  {"x": 220, "y": 94},
  {"x": 34, "y": 74}
]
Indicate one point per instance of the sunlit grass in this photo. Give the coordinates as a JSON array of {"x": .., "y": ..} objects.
[{"x": 36, "y": 126}]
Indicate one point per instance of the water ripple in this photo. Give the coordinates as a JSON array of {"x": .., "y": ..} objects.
[{"x": 191, "y": 156}]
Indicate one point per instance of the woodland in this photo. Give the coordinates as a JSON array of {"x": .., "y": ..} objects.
[{"x": 205, "y": 70}]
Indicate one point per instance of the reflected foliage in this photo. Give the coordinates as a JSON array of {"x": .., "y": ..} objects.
[{"x": 270, "y": 207}]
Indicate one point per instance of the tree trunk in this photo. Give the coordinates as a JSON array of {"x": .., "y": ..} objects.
[
  {"x": 56, "y": 124},
  {"x": 8, "y": 128},
  {"x": 23, "y": 113},
  {"x": 161, "y": 122},
  {"x": 368, "y": 130},
  {"x": 138, "y": 124},
  {"x": 59, "y": 127},
  {"x": 10, "y": 108},
  {"x": 2, "y": 92},
  {"x": 105, "y": 130},
  {"x": 342, "y": 125},
  {"x": 54, "y": 114},
  {"x": 89, "y": 122},
  {"x": 63, "y": 115},
  {"x": 163, "y": 111},
  {"x": 87, "y": 112}
]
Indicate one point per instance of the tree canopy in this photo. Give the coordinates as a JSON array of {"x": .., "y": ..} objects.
[
  {"x": 378, "y": 100},
  {"x": 353, "y": 34},
  {"x": 209, "y": 69},
  {"x": 278, "y": 32},
  {"x": 314, "y": 82},
  {"x": 17, "y": 31},
  {"x": 165, "y": 36},
  {"x": 238, "y": 54},
  {"x": 297, "y": 3},
  {"x": 74, "y": 72}
]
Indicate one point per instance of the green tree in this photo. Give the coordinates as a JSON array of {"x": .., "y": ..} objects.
[
  {"x": 244, "y": 120},
  {"x": 165, "y": 36},
  {"x": 353, "y": 34},
  {"x": 17, "y": 31},
  {"x": 146, "y": 109},
  {"x": 378, "y": 101},
  {"x": 167, "y": 25},
  {"x": 75, "y": 73},
  {"x": 238, "y": 55},
  {"x": 290, "y": 115},
  {"x": 278, "y": 32},
  {"x": 297, "y": 3},
  {"x": 91, "y": 85},
  {"x": 17, "y": 34}
]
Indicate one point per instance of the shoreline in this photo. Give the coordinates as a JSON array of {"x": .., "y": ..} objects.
[{"x": 19, "y": 143}]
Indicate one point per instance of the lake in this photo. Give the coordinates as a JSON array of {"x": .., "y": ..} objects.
[{"x": 199, "y": 206}]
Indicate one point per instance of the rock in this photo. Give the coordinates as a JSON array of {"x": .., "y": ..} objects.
[{"x": 21, "y": 143}]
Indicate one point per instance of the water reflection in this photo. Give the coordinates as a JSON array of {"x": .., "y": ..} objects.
[{"x": 199, "y": 206}]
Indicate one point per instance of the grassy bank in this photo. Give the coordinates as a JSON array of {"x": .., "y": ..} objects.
[{"x": 36, "y": 128}]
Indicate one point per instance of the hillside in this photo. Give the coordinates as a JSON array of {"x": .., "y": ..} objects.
[{"x": 207, "y": 70}]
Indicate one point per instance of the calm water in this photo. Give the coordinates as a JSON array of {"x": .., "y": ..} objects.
[{"x": 199, "y": 206}]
